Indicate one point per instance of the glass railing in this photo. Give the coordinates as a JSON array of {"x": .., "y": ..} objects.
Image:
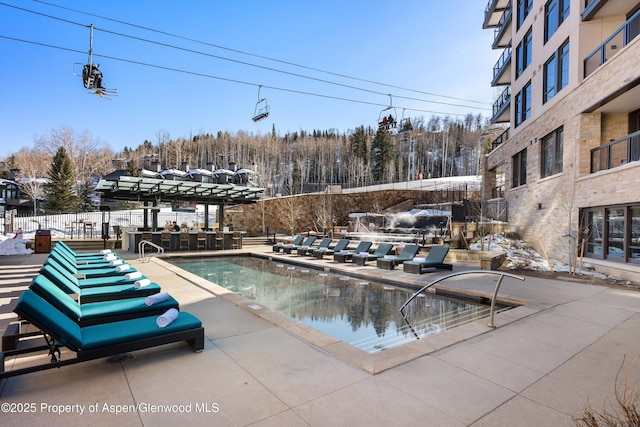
[
  {"x": 502, "y": 24},
  {"x": 616, "y": 153},
  {"x": 505, "y": 97},
  {"x": 616, "y": 41},
  {"x": 504, "y": 58}
]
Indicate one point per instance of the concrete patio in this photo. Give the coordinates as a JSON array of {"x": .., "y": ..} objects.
[{"x": 543, "y": 364}]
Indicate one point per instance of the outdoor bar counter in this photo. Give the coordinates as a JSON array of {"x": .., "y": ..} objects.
[{"x": 131, "y": 239}]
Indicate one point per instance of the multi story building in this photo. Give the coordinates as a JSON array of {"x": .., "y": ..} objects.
[{"x": 568, "y": 164}]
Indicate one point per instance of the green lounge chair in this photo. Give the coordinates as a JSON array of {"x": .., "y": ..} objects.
[
  {"x": 382, "y": 250},
  {"x": 279, "y": 246},
  {"x": 97, "y": 312},
  {"x": 388, "y": 262},
  {"x": 344, "y": 256},
  {"x": 92, "y": 282},
  {"x": 100, "y": 293},
  {"x": 308, "y": 250},
  {"x": 287, "y": 249},
  {"x": 321, "y": 252},
  {"x": 89, "y": 272},
  {"x": 63, "y": 249},
  {"x": 80, "y": 265},
  {"x": 96, "y": 341},
  {"x": 63, "y": 246},
  {"x": 435, "y": 259}
]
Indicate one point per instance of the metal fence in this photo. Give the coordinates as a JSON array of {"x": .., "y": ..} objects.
[{"x": 89, "y": 224}]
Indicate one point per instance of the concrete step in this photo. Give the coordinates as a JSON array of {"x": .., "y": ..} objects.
[{"x": 90, "y": 245}]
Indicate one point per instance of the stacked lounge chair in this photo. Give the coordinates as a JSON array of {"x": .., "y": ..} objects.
[
  {"x": 91, "y": 318},
  {"x": 382, "y": 250},
  {"x": 388, "y": 262},
  {"x": 344, "y": 255},
  {"x": 435, "y": 259}
]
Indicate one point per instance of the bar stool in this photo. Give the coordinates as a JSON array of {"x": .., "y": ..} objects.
[
  {"x": 202, "y": 240},
  {"x": 235, "y": 240},
  {"x": 165, "y": 240},
  {"x": 219, "y": 240},
  {"x": 184, "y": 240}
]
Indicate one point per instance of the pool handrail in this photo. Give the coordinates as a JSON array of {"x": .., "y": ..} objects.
[
  {"x": 145, "y": 257},
  {"x": 458, "y": 273}
]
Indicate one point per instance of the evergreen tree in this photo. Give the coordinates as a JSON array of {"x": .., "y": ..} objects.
[
  {"x": 85, "y": 197},
  {"x": 381, "y": 154},
  {"x": 133, "y": 169},
  {"x": 359, "y": 143},
  {"x": 61, "y": 189}
]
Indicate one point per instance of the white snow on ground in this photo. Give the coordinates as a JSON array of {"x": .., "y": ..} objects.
[
  {"x": 522, "y": 256},
  {"x": 11, "y": 246}
]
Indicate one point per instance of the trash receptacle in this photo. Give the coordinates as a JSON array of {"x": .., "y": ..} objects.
[{"x": 43, "y": 241}]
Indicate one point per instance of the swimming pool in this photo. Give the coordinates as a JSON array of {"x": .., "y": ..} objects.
[{"x": 362, "y": 313}]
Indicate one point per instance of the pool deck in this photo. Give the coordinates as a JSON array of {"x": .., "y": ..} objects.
[{"x": 543, "y": 364}]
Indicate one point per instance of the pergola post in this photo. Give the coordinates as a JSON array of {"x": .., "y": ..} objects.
[{"x": 220, "y": 217}]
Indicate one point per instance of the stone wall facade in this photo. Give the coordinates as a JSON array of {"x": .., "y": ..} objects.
[
  {"x": 313, "y": 212},
  {"x": 546, "y": 209}
]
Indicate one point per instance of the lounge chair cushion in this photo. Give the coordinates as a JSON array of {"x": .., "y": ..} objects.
[
  {"x": 99, "y": 292},
  {"x": 96, "y": 310},
  {"x": 68, "y": 333}
]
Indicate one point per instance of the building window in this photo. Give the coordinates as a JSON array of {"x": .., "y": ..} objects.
[
  {"x": 551, "y": 162},
  {"x": 523, "y": 53},
  {"x": 523, "y": 104},
  {"x": 612, "y": 232},
  {"x": 524, "y": 7},
  {"x": 520, "y": 169},
  {"x": 556, "y": 72},
  {"x": 555, "y": 13}
]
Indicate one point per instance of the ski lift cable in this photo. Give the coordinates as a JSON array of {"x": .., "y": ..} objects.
[
  {"x": 274, "y": 69},
  {"x": 194, "y": 73},
  {"x": 272, "y": 59}
]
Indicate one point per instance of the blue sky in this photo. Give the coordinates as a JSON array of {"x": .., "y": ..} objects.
[{"x": 433, "y": 47}]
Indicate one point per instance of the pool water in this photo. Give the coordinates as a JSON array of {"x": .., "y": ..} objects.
[{"x": 362, "y": 313}]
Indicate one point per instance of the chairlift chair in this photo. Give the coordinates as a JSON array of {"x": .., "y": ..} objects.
[
  {"x": 262, "y": 108},
  {"x": 387, "y": 119},
  {"x": 405, "y": 124},
  {"x": 91, "y": 74}
]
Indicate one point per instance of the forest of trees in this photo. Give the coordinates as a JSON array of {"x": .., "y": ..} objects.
[{"x": 284, "y": 164}]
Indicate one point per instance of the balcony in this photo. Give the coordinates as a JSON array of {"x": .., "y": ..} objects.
[
  {"x": 616, "y": 41},
  {"x": 493, "y": 12},
  {"x": 603, "y": 8},
  {"x": 502, "y": 32},
  {"x": 501, "y": 108},
  {"x": 616, "y": 153},
  {"x": 501, "y": 139},
  {"x": 502, "y": 69}
]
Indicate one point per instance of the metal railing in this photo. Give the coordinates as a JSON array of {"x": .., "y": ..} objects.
[
  {"x": 616, "y": 41},
  {"x": 504, "y": 58},
  {"x": 502, "y": 25},
  {"x": 616, "y": 153},
  {"x": 504, "y": 98},
  {"x": 501, "y": 139},
  {"x": 67, "y": 224},
  {"x": 502, "y": 274},
  {"x": 145, "y": 257}
]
